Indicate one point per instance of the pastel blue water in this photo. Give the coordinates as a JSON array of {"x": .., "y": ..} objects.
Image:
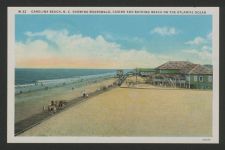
[
  {"x": 28, "y": 80},
  {"x": 28, "y": 76}
]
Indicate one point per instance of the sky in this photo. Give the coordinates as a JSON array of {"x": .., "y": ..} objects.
[{"x": 111, "y": 41}]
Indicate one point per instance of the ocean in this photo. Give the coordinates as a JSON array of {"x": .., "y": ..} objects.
[
  {"x": 28, "y": 76},
  {"x": 27, "y": 80}
]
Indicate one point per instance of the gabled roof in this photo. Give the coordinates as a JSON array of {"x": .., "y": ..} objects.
[
  {"x": 199, "y": 69},
  {"x": 174, "y": 65},
  {"x": 186, "y": 67}
]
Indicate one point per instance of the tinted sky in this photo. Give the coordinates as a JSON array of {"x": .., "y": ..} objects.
[{"x": 111, "y": 41}]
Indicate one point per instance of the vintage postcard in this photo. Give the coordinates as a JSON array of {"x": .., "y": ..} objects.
[{"x": 113, "y": 75}]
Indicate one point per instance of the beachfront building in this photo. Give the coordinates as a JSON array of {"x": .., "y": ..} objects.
[
  {"x": 144, "y": 72},
  {"x": 182, "y": 74},
  {"x": 199, "y": 77}
]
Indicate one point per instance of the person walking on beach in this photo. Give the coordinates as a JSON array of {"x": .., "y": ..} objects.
[{"x": 84, "y": 94}]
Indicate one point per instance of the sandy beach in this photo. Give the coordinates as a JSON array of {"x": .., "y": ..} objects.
[
  {"x": 150, "y": 111},
  {"x": 28, "y": 104}
]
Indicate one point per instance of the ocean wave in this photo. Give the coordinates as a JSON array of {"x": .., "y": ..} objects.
[{"x": 46, "y": 84}]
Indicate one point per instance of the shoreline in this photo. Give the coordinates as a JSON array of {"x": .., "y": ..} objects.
[
  {"x": 44, "y": 85},
  {"x": 28, "y": 104}
]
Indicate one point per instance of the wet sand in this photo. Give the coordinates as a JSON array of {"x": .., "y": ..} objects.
[
  {"x": 134, "y": 112},
  {"x": 28, "y": 104}
]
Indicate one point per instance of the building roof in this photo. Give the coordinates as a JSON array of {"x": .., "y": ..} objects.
[
  {"x": 174, "y": 65},
  {"x": 186, "y": 67},
  {"x": 199, "y": 69}
]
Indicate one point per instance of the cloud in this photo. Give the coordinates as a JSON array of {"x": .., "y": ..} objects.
[
  {"x": 198, "y": 56},
  {"x": 207, "y": 48},
  {"x": 164, "y": 31},
  {"x": 52, "y": 48},
  {"x": 199, "y": 40},
  {"x": 60, "y": 49},
  {"x": 203, "y": 53},
  {"x": 196, "y": 41},
  {"x": 116, "y": 37}
]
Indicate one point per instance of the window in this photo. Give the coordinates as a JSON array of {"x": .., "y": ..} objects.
[
  {"x": 195, "y": 78},
  {"x": 210, "y": 78},
  {"x": 201, "y": 78},
  {"x": 188, "y": 78}
]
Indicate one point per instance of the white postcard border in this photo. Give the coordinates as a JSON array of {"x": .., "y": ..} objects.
[{"x": 11, "y": 138}]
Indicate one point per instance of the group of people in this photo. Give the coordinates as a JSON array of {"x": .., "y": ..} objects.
[{"x": 54, "y": 106}]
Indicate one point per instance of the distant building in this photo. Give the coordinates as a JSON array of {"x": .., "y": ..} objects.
[{"x": 145, "y": 71}]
